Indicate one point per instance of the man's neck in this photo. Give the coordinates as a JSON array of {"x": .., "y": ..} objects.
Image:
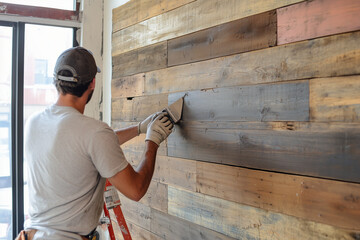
[{"x": 69, "y": 100}]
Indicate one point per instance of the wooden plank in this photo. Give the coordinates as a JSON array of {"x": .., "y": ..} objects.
[
  {"x": 134, "y": 149},
  {"x": 268, "y": 102},
  {"x": 170, "y": 227},
  {"x": 243, "y": 35},
  {"x": 177, "y": 172},
  {"x": 140, "y": 60},
  {"x": 335, "y": 99},
  {"x": 136, "y": 11},
  {"x": 156, "y": 196},
  {"x": 137, "y": 233},
  {"x": 192, "y": 17},
  {"x": 311, "y": 149},
  {"x": 312, "y": 19},
  {"x": 136, "y": 212},
  {"x": 131, "y": 86},
  {"x": 137, "y": 108},
  {"x": 326, "y": 201},
  {"x": 325, "y": 57},
  {"x": 244, "y": 222}
]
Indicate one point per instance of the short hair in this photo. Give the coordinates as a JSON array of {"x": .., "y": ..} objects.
[{"x": 73, "y": 88}]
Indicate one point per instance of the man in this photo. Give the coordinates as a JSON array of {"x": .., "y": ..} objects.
[{"x": 70, "y": 155}]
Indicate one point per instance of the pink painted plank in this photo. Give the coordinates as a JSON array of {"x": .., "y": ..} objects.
[{"x": 312, "y": 19}]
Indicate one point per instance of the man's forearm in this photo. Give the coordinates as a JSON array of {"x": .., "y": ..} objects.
[
  {"x": 134, "y": 183},
  {"x": 146, "y": 167},
  {"x": 126, "y": 134}
]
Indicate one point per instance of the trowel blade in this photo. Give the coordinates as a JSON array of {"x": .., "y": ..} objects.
[{"x": 175, "y": 110}]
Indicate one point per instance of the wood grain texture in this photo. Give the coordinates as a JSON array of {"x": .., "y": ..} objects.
[
  {"x": 137, "y": 108},
  {"x": 244, "y": 222},
  {"x": 131, "y": 86},
  {"x": 136, "y": 11},
  {"x": 177, "y": 172},
  {"x": 192, "y": 17},
  {"x": 335, "y": 99},
  {"x": 170, "y": 227},
  {"x": 326, "y": 201},
  {"x": 140, "y": 60},
  {"x": 325, "y": 57},
  {"x": 134, "y": 149},
  {"x": 243, "y": 35},
  {"x": 156, "y": 196},
  {"x": 312, "y": 19},
  {"x": 267, "y": 102},
  {"x": 136, "y": 212},
  {"x": 137, "y": 233},
  {"x": 311, "y": 149}
]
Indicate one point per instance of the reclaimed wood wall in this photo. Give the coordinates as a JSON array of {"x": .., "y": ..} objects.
[{"x": 269, "y": 143}]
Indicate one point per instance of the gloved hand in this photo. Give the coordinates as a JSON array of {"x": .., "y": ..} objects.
[
  {"x": 142, "y": 126},
  {"x": 159, "y": 129}
]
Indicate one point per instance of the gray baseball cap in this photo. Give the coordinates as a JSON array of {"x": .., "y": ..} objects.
[{"x": 79, "y": 65}]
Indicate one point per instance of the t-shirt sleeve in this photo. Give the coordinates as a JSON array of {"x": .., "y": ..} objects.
[{"x": 106, "y": 154}]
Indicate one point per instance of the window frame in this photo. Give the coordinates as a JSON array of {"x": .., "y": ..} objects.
[{"x": 17, "y": 119}]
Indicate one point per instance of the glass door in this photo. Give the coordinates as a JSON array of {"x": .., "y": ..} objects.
[
  {"x": 42, "y": 47},
  {"x": 6, "y": 41}
]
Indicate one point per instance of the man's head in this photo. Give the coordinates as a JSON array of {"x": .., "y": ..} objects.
[{"x": 74, "y": 71}]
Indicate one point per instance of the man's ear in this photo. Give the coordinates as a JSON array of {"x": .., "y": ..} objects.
[{"x": 92, "y": 84}]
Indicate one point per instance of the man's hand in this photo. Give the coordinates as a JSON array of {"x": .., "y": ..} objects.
[
  {"x": 142, "y": 126},
  {"x": 159, "y": 129}
]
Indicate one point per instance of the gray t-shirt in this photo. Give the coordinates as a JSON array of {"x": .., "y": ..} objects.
[{"x": 69, "y": 157}]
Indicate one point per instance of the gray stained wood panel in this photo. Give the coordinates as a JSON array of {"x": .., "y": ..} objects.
[
  {"x": 246, "y": 34},
  {"x": 267, "y": 102},
  {"x": 329, "y": 150}
]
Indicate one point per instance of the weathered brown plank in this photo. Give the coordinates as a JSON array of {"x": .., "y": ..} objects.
[
  {"x": 326, "y": 201},
  {"x": 325, "y": 57},
  {"x": 137, "y": 108},
  {"x": 312, "y": 149},
  {"x": 137, "y": 233},
  {"x": 156, "y": 196},
  {"x": 243, "y": 35},
  {"x": 134, "y": 149},
  {"x": 312, "y": 19},
  {"x": 136, "y": 11},
  {"x": 130, "y": 86},
  {"x": 335, "y": 99},
  {"x": 140, "y": 60},
  {"x": 267, "y": 102},
  {"x": 177, "y": 172},
  {"x": 136, "y": 212},
  {"x": 170, "y": 227},
  {"x": 192, "y": 17},
  {"x": 244, "y": 222}
]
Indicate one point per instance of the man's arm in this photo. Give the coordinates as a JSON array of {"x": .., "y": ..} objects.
[
  {"x": 134, "y": 183},
  {"x": 126, "y": 134}
]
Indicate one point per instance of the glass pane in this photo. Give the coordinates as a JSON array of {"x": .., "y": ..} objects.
[
  {"x": 43, "y": 45},
  {"x": 5, "y": 141},
  {"x": 63, "y": 4}
]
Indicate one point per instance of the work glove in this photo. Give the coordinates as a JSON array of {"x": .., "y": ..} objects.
[
  {"x": 142, "y": 126},
  {"x": 159, "y": 129}
]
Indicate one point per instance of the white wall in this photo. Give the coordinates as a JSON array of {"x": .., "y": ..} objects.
[
  {"x": 107, "y": 69},
  {"x": 96, "y": 28},
  {"x": 91, "y": 38}
]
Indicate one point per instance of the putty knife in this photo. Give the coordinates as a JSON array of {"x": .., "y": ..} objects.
[{"x": 175, "y": 110}]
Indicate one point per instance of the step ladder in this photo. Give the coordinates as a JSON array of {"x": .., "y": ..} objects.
[{"x": 112, "y": 201}]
